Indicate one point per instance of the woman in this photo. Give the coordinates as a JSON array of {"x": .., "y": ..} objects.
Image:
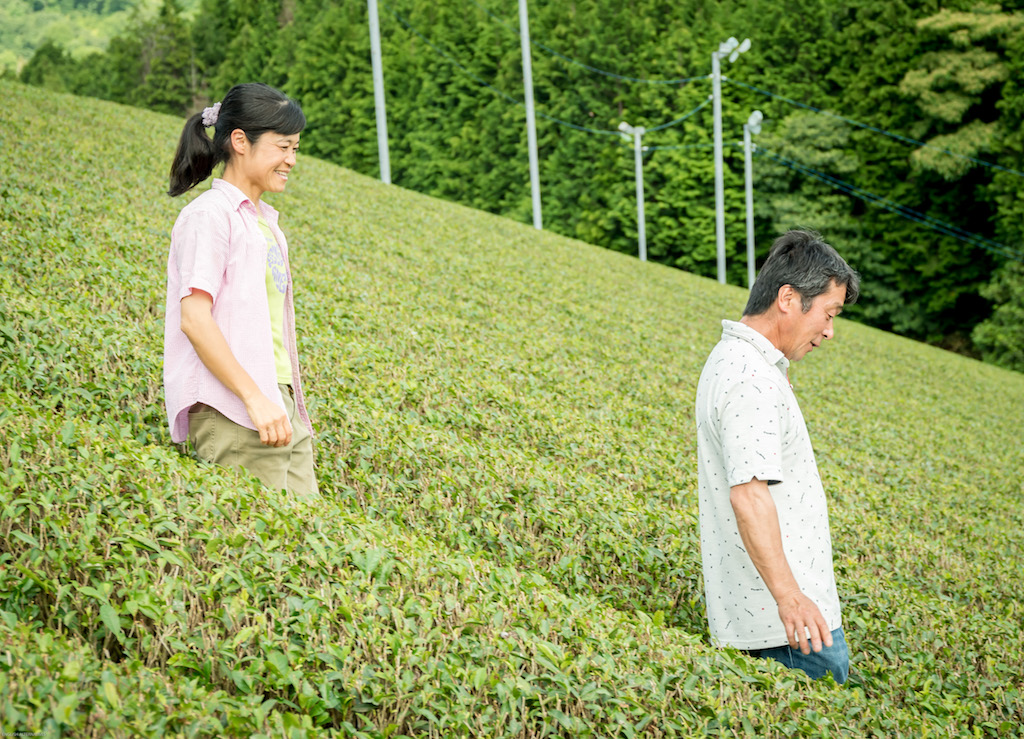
[{"x": 231, "y": 370}]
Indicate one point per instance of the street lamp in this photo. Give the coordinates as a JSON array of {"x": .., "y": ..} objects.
[
  {"x": 637, "y": 132},
  {"x": 730, "y": 48},
  {"x": 752, "y": 126},
  {"x": 531, "y": 123},
  {"x": 378, "y": 93}
]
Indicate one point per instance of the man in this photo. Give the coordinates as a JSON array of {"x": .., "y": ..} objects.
[{"x": 765, "y": 542}]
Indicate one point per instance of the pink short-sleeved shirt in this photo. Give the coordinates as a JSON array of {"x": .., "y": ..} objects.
[{"x": 217, "y": 246}]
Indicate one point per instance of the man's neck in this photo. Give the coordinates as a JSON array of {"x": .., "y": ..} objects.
[{"x": 766, "y": 325}]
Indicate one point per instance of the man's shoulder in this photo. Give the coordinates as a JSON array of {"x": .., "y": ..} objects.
[
  {"x": 735, "y": 356},
  {"x": 734, "y": 363}
]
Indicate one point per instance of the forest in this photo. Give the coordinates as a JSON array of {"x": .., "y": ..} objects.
[{"x": 893, "y": 127}]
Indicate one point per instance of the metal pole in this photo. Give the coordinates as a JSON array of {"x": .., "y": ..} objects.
[
  {"x": 378, "y": 93},
  {"x": 716, "y": 91},
  {"x": 748, "y": 167},
  {"x": 641, "y": 224},
  {"x": 531, "y": 124}
]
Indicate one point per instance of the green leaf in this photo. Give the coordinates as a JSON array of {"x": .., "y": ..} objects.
[
  {"x": 92, "y": 592},
  {"x": 146, "y": 542},
  {"x": 108, "y": 614},
  {"x": 72, "y": 669},
  {"x": 28, "y": 539},
  {"x": 244, "y": 634},
  {"x": 65, "y": 709},
  {"x": 279, "y": 663},
  {"x": 479, "y": 677},
  {"x": 566, "y": 721},
  {"x": 110, "y": 693},
  {"x": 68, "y": 434}
]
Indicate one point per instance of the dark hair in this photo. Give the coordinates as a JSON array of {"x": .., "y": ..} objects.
[
  {"x": 802, "y": 260},
  {"x": 253, "y": 107}
]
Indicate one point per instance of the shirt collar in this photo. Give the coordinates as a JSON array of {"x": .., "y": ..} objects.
[
  {"x": 237, "y": 198},
  {"x": 771, "y": 354}
]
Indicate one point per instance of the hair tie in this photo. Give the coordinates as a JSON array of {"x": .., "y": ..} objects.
[{"x": 211, "y": 114}]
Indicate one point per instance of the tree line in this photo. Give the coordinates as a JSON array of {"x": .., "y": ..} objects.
[{"x": 935, "y": 230}]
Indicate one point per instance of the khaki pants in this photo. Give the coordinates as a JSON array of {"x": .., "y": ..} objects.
[{"x": 221, "y": 441}]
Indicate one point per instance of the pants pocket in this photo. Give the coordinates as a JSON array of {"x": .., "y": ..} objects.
[{"x": 202, "y": 431}]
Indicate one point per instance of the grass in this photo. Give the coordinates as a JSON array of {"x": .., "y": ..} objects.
[{"x": 508, "y": 542}]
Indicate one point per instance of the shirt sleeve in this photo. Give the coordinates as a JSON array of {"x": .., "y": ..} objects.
[
  {"x": 751, "y": 422},
  {"x": 200, "y": 242}
]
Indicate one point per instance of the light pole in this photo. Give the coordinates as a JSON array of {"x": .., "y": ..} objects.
[
  {"x": 752, "y": 126},
  {"x": 637, "y": 132},
  {"x": 378, "y": 93},
  {"x": 531, "y": 124},
  {"x": 732, "y": 49}
]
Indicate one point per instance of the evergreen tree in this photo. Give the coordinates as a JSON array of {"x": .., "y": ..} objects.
[
  {"x": 947, "y": 74},
  {"x": 1000, "y": 338},
  {"x": 168, "y": 75},
  {"x": 50, "y": 67}
]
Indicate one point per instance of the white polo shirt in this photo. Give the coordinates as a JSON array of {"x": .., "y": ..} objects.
[{"x": 749, "y": 425}]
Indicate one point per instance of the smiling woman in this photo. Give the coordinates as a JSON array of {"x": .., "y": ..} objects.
[{"x": 231, "y": 370}]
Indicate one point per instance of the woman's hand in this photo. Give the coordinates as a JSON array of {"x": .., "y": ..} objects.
[{"x": 270, "y": 420}]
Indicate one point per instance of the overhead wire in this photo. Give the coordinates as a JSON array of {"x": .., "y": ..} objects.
[
  {"x": 680, "y": 146},
  {"x": 600, "y": 132},
  {"x": 898, "y": 208},
  {"x": 485, "y": 83},
  {"x": 805, "y": 106},
  {"x": 875, "y": 129},
  {"x": 838, "y": 184},
  {"x": 677, "y": 121},
  {"x": 516, "y": 30}
]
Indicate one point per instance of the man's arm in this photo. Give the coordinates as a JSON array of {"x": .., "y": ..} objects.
[{"x": 758, "y": 522}]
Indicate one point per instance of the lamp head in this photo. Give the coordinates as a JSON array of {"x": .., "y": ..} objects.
[
  {"x": 739, "y": 49},
  {"x": 754, "y": 122}
]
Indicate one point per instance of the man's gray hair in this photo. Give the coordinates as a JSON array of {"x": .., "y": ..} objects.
[{"x": 804, "y": 261}]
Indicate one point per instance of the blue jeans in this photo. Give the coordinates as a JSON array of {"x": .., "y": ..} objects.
[{"x": 834, "y": 659}]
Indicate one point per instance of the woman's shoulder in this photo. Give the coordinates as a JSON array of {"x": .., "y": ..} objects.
[
  {"x": 202, "y": 217},
  {"x": 208, "y": 200},
  {"x": 208, "y": 205}
]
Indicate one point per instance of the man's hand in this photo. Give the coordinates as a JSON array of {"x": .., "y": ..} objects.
[{"x": 806, "y": 628}]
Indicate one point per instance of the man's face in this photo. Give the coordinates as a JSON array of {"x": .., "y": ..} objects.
[{"x": 807, "y": 330}]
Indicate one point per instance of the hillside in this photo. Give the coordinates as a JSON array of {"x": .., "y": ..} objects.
[
  {"x": 80, "y": 28},
  {"x": 507, "y": 544}
]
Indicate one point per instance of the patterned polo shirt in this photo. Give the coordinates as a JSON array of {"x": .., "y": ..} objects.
[{"x": 750, "y": 425}]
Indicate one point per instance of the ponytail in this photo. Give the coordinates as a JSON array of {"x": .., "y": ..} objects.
[{"x": 195, "y": 158}]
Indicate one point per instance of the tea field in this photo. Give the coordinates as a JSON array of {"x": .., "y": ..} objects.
[{"x": 507, "y": 542}]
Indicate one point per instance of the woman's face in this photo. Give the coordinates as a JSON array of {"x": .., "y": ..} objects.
[{"x": 266, "y": 164}]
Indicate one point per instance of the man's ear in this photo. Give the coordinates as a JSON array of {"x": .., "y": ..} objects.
[
  {"x": 786, "y": 298},
  {"x": 239, "y": 141}
]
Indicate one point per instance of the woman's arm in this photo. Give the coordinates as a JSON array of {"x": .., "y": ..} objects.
[{"x": 198, "y": 325}]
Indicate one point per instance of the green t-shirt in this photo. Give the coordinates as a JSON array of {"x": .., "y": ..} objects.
[{"x": 277, "y": 286}]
